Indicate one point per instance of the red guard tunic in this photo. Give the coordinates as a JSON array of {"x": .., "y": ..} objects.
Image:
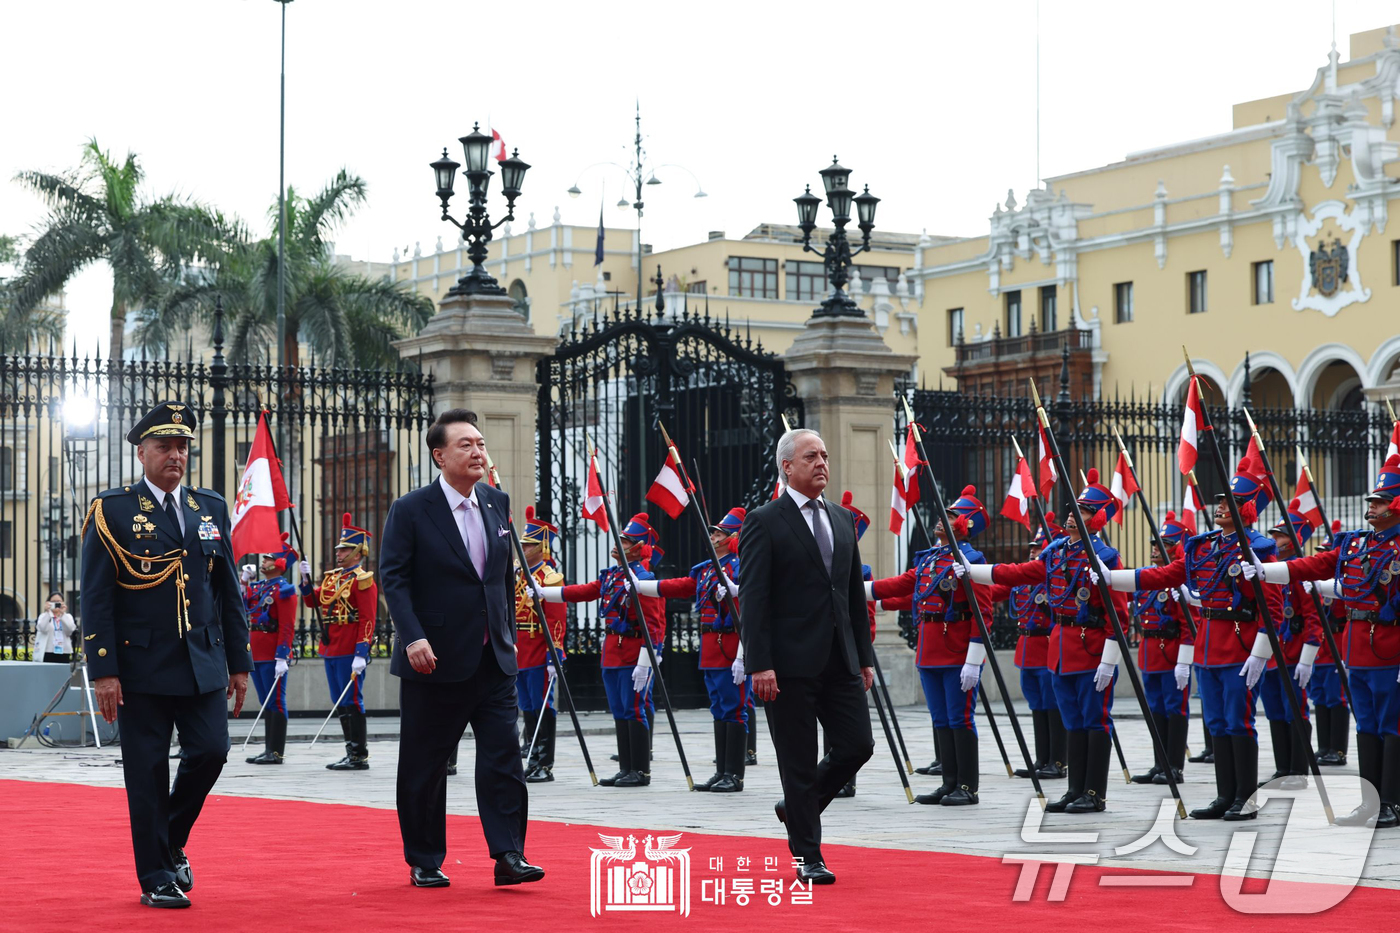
[
  {"x": 1366, "y": 566},
  {"x": 1081, "y": 626},
  {"x": 719, "y": 637},
  {"x": 348, "y": 600},
  {"x": 939, "y": 603},
  {"x": 1336, "y": 612},
  {"x": 272, "y": 617},
  {"x": 623, "y": 642},
  {"x": 1164, "y": 630},
  {"x": 1228, "y": 619},
  {"x": 1299, "y": 624},
  {"x": 532, "y": 649}
]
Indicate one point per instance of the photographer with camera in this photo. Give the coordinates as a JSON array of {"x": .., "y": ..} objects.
[{"x": 53, "y": 632}]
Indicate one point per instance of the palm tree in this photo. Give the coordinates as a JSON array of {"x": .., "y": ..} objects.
[
  {"x": 97, "y": 214},
  {"x": 347, "y": 320}
]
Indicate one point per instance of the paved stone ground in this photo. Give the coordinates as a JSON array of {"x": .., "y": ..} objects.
[{"x": 878, "y": 816}]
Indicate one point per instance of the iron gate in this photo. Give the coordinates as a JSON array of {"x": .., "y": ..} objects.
[{"x": 718, "y": 393}]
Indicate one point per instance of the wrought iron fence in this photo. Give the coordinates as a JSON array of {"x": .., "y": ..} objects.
[{"x": 350, "y": 441}]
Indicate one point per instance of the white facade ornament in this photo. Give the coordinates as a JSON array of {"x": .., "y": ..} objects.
[
  {"x": 1227, "y": 207},
  {"x": 417, "y": 249},
  {"x": 396, "y": 255},
  {"x": 1159, "y": 218},
  {"x": 881, "y": 307},
  {"x": 556, "y": 215},
  {"x": 531, "y": 224},
  {"x": 1331, "y": 278},
  {"x": 439, "y": 245}
]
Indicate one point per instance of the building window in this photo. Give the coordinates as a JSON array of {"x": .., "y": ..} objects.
[
  {"x": 753, "y": 278},
  {"x": 868, "y": 275},
  {"x": 1013, "y": 314},
  {"x": 7, "y": 540},
  {"x": 696, "y": 288},
  {"x": 806, "y": 281},
  {"x": 1123, "y": 302},
  {"x": 1395, "y": 262},
  {"x": 1196, "y": 292},
  {"x": 955, "y": 326},
  {"x": 7, "y": 468},
  {"x": 520, "y": 299},
  {"x": 1049, "y": 316},
  {"x": 607, "y": 276},
  {"x": 54, "y": 475},
  {"x": 1264, "y": 282}
]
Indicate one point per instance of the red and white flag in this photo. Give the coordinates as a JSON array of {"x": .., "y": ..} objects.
[
  {"x": 1191, "y": 419},
  {"x": 910, "y": 485},
  {"x": 262, "y": 493},
  {"x": 668, "y": 489},
  {"x": 1017, "y": 506},
  {"x": 777, "y": 490},
  {"x": 594, "y": 508},
  {"x": 1123, "y": 487},
  {"x": 1048, "y": 477},
  {"x": 1393, "y": 447},
  {"x": 498, "y": 146},
  {"x": 1307, "y": 501},
  {"x": 1253, "y": 460},
  {"x": 1190, "y": 505},
  {"x": 899, "y": 506}
]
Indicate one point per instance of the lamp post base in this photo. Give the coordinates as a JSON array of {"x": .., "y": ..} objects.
[
  {"x": 477, "y": 282},
  {"x": 839, "y": 304}
]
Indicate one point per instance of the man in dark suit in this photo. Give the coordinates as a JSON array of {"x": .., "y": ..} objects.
[
  {"x": 807, "y": 641},
  {"x": 449, "y": 581},
  {"x": 166, "y": 642}
]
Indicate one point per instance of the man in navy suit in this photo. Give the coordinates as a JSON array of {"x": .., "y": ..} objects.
[{"x": 449, "y": 581}]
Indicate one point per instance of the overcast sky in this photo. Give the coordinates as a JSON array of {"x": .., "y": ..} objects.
[{"x": 931, "y": 104}]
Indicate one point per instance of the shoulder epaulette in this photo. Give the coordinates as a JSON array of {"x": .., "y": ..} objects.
[
  {"x": 364, "y": 579},
  {"x": 116, "y": 491},
  {"x": 209, "y": 492}
]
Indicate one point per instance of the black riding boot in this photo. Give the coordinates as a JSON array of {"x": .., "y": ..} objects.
[
  {"x": 1370, "y": 752},
  {"x": 1151, "y": 776},
  {"x": 1224, "y": 782},
  {"x": 735, "y": 739},
  {"x": 935, "y": 766},
  {"x": 1055, "y": 765},
  {"x": 1298, "y": 758},
  {"x": 719, "y": 759},
  {"x": 948, "y": 753},
  {"x": 750, "y": 738},
  {"x": 544, "y": 749},
  {"x": 1246, "y": 751},
  {"x": 965, "y": 746},
  {"x": 1207, "y": 754},
  {"x": 452, "y": 760},
  {"x": 1389, "y": 815},
  {"x": 1077, "y": 753},
  {"x": 640, "y": 737},
  {"x": 624, "y": 753},
  {"x": 274, "y": 740},
  {"x": 1040, "y": 729},
  {"x": 1340, "y": 733},
  {"x": 353, "y": 725},
  {"x": 1282, "y": 735},
  {"x": 531, "y": 717},
  {"x": 1323, "y": 716},
  {"x": 1095, "y": 793},
  {"x": 1177, "y": 729}
]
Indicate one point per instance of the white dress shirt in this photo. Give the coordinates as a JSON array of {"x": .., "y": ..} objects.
[
  {"x": 811, "y": 515},
  {"x": 161, "y": 494},
  {"x": 461, "y": 515}
]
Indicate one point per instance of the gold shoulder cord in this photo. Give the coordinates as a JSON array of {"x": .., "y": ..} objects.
[
  {"x": 123, "y": 559},
  {"x": 525, "y": 596}
]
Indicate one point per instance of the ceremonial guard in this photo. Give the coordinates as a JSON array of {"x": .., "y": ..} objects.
[
  {"x": 271, "y": 606},
  {"x": 1363, "y": 571},
  {"x": 534, "y": 684},
  {"x": 1329, "y": 700},
  {"x": 1164, "y": 657},
  {"x": 1233, "y": 646},
  {"x": 950, "y": 650},
  {"x": 349, "y": 601},
  {"x": 721, "y": 663},
  {"x": 166, "y": 642},
  {"x": 627, "y": 674},
  {"x": 1300, "y": 636},
  {"x": 1083, "y": 656}
]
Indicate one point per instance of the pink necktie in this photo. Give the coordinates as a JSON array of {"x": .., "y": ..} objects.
[{"x": 476, "y": 540}]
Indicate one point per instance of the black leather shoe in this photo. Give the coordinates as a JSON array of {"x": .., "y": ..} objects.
[
  {"x": 1054, "y": 771},
  {"x": 1161, "y": 777},
  {"x": 1203, "y": 758},
  {"x": 428, "y": 877},
  {"x": 729, "y": 784},
  {"x": 166, "y": 895},
  {"x": 1088, "y": 802},
  {"x": 511, "y": 868},
  {"x": 714, "y": 779},
  {"x": 780, "y": 808},
  {"x": 1059, "y": 806},
  {"x": 540, "y": 775},
  {"x": 1294, "y": 782},
  {"x": 1025, "y": 772},
  {"x": 1387, "y": 818},
  {"x": 934, "y": 767},
  {"x": 816, "y": 873},
  {"x": 750, "y": 758},
  {"x": 1240, "y": 810},
  {"x": 962, "y": 797},
  {"x": 1358, "y": 817},
  {"x": 934, "y": 798},
  {"x": 452, "y": 771},
  {"x": 847, "y": 790},
  {"x": 633, "y": 779},
  {"x": 349, "y": 764},
  {"x": 266, "y": 758},
  {"x": 184, "y": 877},
  {"x": 1334, "y": 759},
  {"x": 1149, "y": 778},
  {"x": 1214, "y": 810}
]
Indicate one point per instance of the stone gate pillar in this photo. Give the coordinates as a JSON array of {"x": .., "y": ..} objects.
[
  {"x": 844, "y": 373},
  {"x": 482, "y": 356}
]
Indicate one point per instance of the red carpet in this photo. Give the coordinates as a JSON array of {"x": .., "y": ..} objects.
[{"x": 278, "y": 865}]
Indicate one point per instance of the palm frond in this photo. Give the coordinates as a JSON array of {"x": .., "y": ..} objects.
[
  {"x": 334, "y": 204},
  {"x": 55, "y": 256}
]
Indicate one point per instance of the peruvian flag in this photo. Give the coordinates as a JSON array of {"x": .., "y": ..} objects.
[
  {"x": 1253, "y": 460},
  {"x": 910, "y": 486},
  {"x": 1017, "y": 506},
  {"x": 1190, "y": 505},
  {"x": 498, "y": 146},
  {"x": 668, "y": 489},
  {"x": 593, "y": 507},
  {"x": 777, "y": 490},
  {"x": 1190, "y": 423},
  {"x": 1393, "y": 447},
  {"x": 1123, "y": 487},
  {"x": 899, "y": 506},
  {"x": 1307, "y": 501},
  {"x": 262, "y": 493},
  {"x": 1048, "y": 477}
]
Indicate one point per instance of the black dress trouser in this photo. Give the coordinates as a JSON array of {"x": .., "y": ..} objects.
[{"x": 836, "y": 699}]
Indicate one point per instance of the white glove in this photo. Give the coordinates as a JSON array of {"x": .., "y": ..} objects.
[
  {"x": 280, "y": 669},
  {"x": 304, "y": 569},
  {"x": 869, "y": 591},
  {"x": 641, "y": 675},
  {"x": 1191, "y": 598},
  {"x": 1094, "y": 575},
  {"x": 959, "y": 568},
  {"x": 1304, "y": 671},
  {"x": 1256, "y": 662},
  {"x": 535, "y": 587},
  {"x": 972, "y": 666},
  {"x": 736, "y": 670},
  {"x": 248, "y": 572},
  {"x": 730, "y": 585},
  {"x": 1307, "y": 586},
  {"x": 1183, "y": 675},
  {"x": 1251, "y": 568},
  {"x": 549, "y": 672},
  {"x": 1175, "y": 593},
  {"x": 358, "y": 665},
  {"x": 1108, "y": 665}
]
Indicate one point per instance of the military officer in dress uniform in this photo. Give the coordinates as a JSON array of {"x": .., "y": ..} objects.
[
  {"x": 1363, "y": 570},
  {"x": 721, "y": 664},
  {"x": 950, "y": 650},
  {"x": 535, "y": 681},
  {"x": 627, "y": 675},
  {"x": 1300, "y": 636},
  {"x": 166, "y": 642},
  {"x": 271, "y": 605},
  {"x": 1083, "y": 655},
  {"x": 1164, "y": 657},
  {"x": 349, "y": 600},
  {"x": 1233, "y": 646},
  {"x": 1329, "y": 700}
]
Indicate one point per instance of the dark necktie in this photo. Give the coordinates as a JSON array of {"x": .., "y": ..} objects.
[
  {"x": 820, "y": 532},
  {"x": 170, "y": 513}
]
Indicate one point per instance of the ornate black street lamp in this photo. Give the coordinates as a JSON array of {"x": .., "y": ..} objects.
[
  {"x": 838, "y": 253},
  {"x": 477, "y": 227}
]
